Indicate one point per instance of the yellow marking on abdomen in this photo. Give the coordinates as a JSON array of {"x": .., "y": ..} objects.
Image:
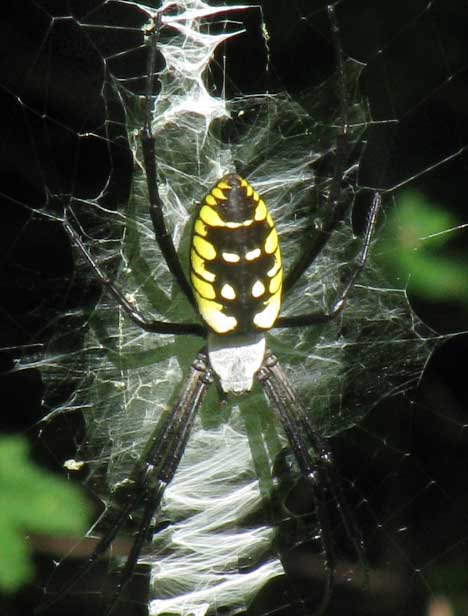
[
  {"x": 211, "y": 313},
  {"x": 248, "y": 188},
  {"x": 275, "y": 283},
  {"x": 271, "y": 243},
  {"x": 198, "y": 266},
  {"x": 260, "y": 211},
  {"x": 211, "y": 217},
  {"x": 200, "y": 227},
  {"x": 218, "y": 194},
  {"x": 205, "y": 249},
  {"x": 277, "y": 266},
  {"x": 203, "y": 288},
  {"x": 266, "y": 318}
]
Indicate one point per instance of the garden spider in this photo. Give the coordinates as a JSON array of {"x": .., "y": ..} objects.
[{"x": 236, "y": 286}]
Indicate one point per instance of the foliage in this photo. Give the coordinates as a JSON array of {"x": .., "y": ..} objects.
[
  {"x": 414, "y": 247},
  {"x": 32, "y": 501}
]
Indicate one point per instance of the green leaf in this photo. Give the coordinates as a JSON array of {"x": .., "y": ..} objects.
[
  {"x": 32, "y": 501},
  {"x": 412, "y": 249}
]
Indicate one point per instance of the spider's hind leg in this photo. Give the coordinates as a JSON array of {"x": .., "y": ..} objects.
[
  {"x": 315, "y": 462},
  {"x": 148, "y": 480}
]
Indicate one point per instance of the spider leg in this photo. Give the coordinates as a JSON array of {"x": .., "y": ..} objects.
[
  {"x": 149, "y": 478},
  {"x": 335, "y": 205},
  {"x": 162, "y": 460},
  {"x": 340, "y": 301},
  {"x": 154, "y": 326},
  {"x": 318, "y": 468},
  {"x": 302, "y": 419},
  {"x": 148, "y": 144}
]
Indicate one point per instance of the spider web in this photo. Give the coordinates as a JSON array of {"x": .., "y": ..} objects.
[{"x": 232, "y": 507}]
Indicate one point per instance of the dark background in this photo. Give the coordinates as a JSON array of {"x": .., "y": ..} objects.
[{"x": 409, "y": 457}]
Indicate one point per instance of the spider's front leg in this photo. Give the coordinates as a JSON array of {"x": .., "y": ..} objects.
[
  {"x": 149, "y": 148},
  {"x": 338, "y": 305},
  {"x": 335, "y": 205}
]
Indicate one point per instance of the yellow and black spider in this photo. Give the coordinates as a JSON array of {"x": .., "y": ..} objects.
[{"x": 236, "y": 285}]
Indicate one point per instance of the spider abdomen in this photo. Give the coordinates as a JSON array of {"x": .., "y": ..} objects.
[{"x": 236, "y": 270}]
